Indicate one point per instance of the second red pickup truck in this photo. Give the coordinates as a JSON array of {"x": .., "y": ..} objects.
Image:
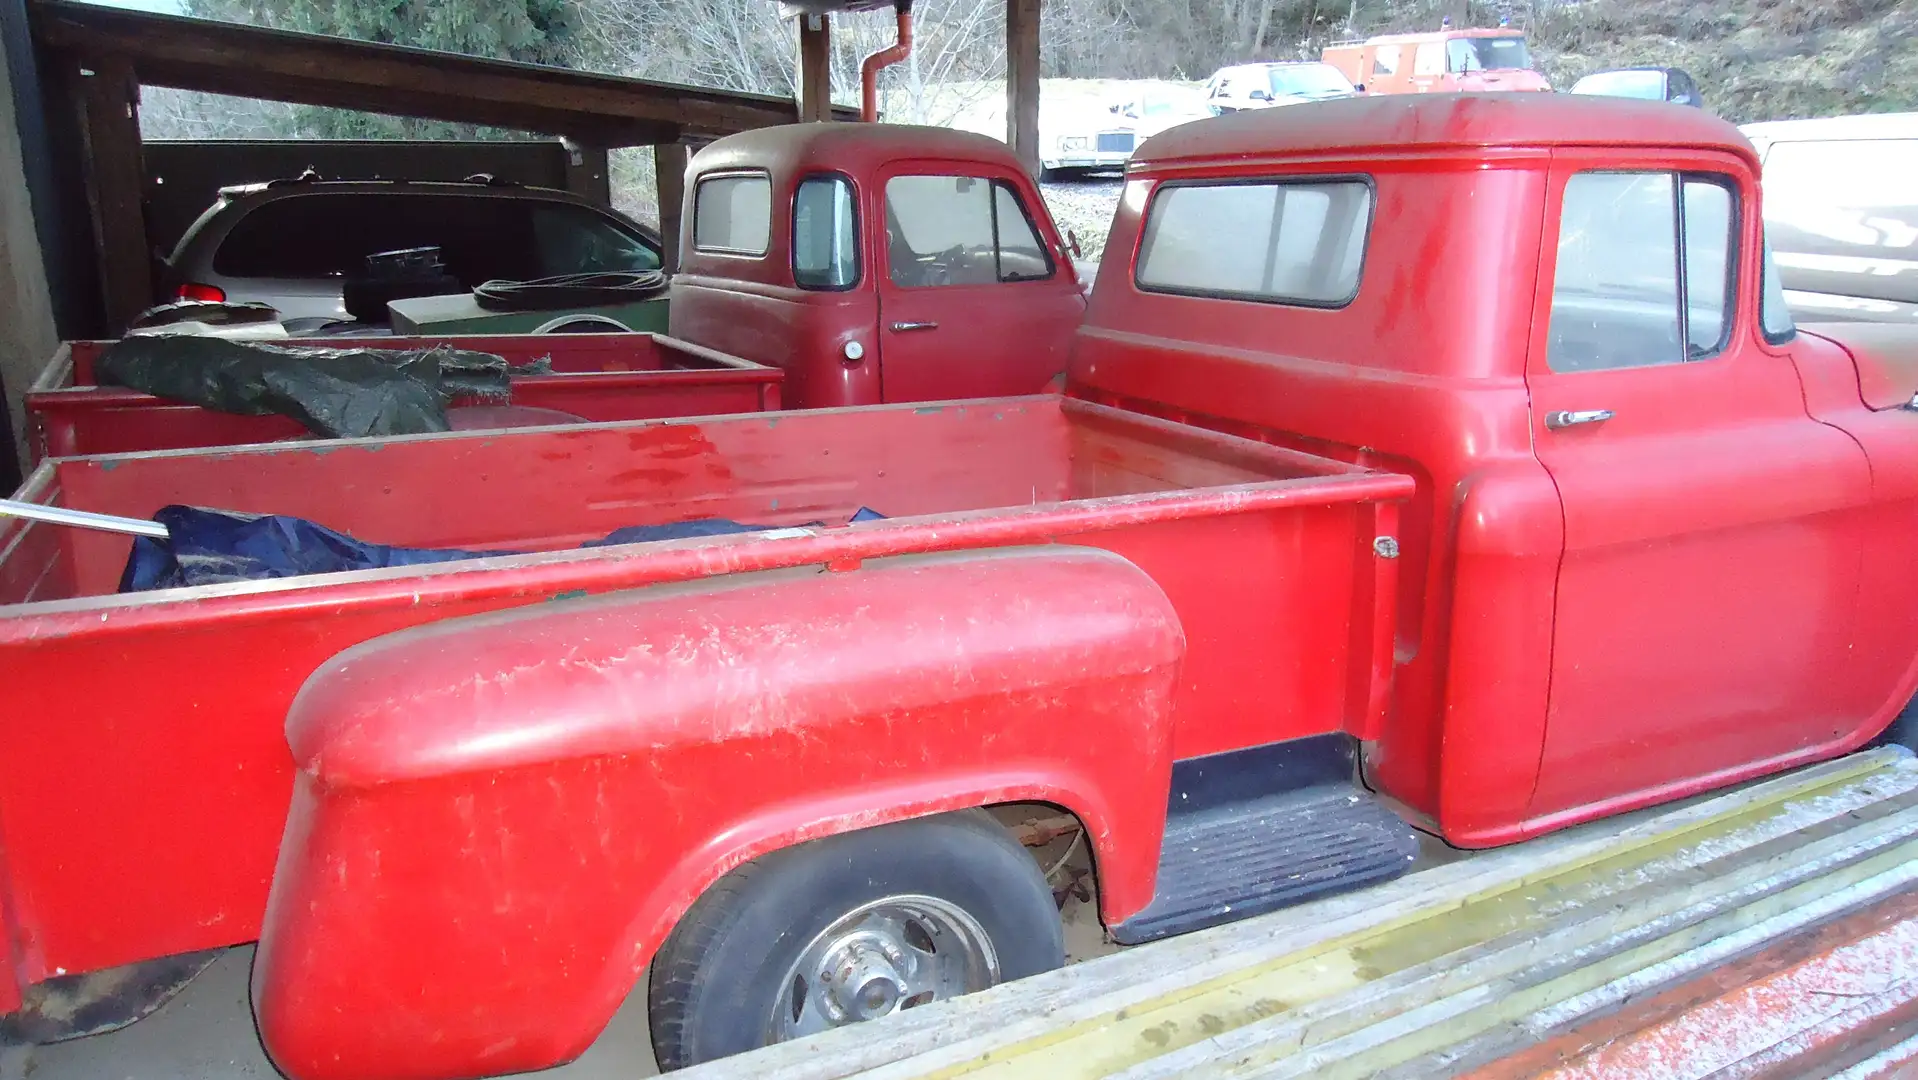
[{"x": 1434, "y": 462}]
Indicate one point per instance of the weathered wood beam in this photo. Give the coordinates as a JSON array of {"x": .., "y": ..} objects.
[
  {"x": 669, "y": 171},
  {"x": 1022, "y": 81},
  {"x": 109, "y": 100},
  {"x": 815, "y": 68}
]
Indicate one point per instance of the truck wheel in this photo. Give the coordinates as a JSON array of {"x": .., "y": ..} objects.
[{"x": 850, "y": 928}]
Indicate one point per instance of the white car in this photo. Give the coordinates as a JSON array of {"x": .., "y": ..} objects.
[
  {"x": 1156, "y": 107},
  {"x": 1261, "y": 86},
  {"x": 1082, "y": 133}
]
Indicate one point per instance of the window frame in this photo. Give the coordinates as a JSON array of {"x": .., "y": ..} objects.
[
  {"x": 1290, "y": 180},
  {"x": 858, "y": 231},
  {"x": 735, "y": 174},
  {"x": 1734, "y": 253},
  {"x": 994, "y": 182}
]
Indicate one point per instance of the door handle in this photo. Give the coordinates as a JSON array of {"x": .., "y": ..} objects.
[
  {"x": 904, "y": 327},
  {"x": 1564, "y": 418}
]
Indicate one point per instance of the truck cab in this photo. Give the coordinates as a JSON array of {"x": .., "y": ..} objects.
[
  {"x": 875, "y": 263},
  {"x": 1444, "y": 61}
]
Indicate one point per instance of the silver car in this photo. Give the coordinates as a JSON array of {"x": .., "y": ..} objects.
[
  {"x": 1841, "y": 212},
  {"x": 292, "y": 243}
]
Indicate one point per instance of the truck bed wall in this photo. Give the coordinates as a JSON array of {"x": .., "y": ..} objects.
[
  {"x": 599, "y": 377},
  {"x": 146, "y": 788}
]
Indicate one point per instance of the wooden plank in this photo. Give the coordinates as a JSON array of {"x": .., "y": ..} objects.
[
  {"x": 669, "y": 171},
  {"x": 589, "y": 172},
  {"x": 815, "y": 68},
  {"x": 249, "y": 61},
  {"x": 1177, "y": 982},
  {"x": 1022, "y": 81},
  {"x": 110, "y": 104}
]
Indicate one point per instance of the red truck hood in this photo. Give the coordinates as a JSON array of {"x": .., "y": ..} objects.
[{"x": 1886, "y": 357}]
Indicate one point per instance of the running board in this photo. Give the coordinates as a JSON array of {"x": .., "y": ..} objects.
[{"x": 1233, "y": 851}]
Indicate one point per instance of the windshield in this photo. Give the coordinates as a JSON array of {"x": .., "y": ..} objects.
[
  {"x": 1307, "y": 80},
  {"x": 1486, "y": 54},
  {"x": 1649, "y": 85},
  {"x": 1173, "y": 102}
]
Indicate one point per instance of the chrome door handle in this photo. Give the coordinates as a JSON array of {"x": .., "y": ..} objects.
[
  {"x": 1565, "y": 419},
  {"x": 903, "y": 327}
]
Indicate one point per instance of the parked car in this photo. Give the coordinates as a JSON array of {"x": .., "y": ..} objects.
[
  {"x": 1445, "y": 61},
  {"x": 1645, "y": 83},
  {"x": 1260, "y": 86},
  {"x": 1078, "y": 133},
  {"x": 1155, "y": 107},
  {"x": 292, "y": 243},
  {"x": 1841, "y": 212}
]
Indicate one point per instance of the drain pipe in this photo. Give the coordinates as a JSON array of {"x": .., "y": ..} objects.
[{"x": 869, "y": 70}]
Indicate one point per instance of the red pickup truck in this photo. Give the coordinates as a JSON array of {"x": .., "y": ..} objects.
[{"x": 1324, "y": 541}]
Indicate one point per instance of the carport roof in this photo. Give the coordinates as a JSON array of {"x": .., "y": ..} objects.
[{"x": 310, "y": 69}]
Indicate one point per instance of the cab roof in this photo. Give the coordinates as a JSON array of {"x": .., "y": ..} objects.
[
  {"x": 1421, "y": 122},
  {"x": 1442, "y": 35},
  {"x": 854, "y": 148}
]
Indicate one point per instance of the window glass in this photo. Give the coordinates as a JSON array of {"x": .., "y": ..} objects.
[
  {"x": 1386, "y": 60},
  {"x": 1772, "y": 312},
  {"x": 960, "y": 230},
  {"x": 825, "y": 243},
  {"x": 1615, "y": 294},
  {"x": 330, "y": 234},
  {"x": 1429, "y": 60},
  {"x": 1487, "y": 53},
  {"x": 1306, "y": 80},
  {"x": 1288, "y": 242},
  {"x": 575, "y": 240},
  {"x": 733, "y": 214},
  {"x": 1708, "y": 267}
]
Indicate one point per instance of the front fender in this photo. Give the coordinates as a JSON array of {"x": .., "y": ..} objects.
[{"x": 497, "y": 820}]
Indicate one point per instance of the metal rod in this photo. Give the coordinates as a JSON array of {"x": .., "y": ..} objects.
[{"x": 54, "y": 515}]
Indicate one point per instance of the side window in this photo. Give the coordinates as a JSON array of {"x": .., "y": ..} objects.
[
  {"x": 1285, "y": 242},
  {"x": 1429, "y": 60},
  {"x": 825, "y": 234},
  {"x": 733, "y": 215},
  {"x": 1622, "y": 277},
  {"x": 960, "y": 230},
  {"x": 1386, "y": 60},
  {"x": 1773, "y": 315},
  {"x": 574, "y": 240}
]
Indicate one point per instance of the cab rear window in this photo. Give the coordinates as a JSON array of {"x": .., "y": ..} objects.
[
  {"x": 733, "y": 214},
  {"x": 1280, "y": 241}
]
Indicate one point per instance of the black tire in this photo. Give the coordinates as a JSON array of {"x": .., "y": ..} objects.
[{"x": 715, "y": 981}]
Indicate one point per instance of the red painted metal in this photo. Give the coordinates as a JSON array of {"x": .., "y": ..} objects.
[
  {"x": 584, "y": 836},
  {"x": 107, "y": 868},
  {"x": 870, "y": 68},
  {"x": 597, "y": 377},
  {"x": 1712, "y": 586},
  {"x": 994, "y": 339}
]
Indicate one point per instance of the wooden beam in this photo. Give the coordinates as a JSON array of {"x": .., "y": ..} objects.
[
  {"x": 815, "y": 68},
  {"x": 588, "y": 172},
  {"x": 109, "y": 100},
  {"x": 249, "y": 61},
  {"x": 669, "y": 169},
  {"x": 1022, "y": 81}
]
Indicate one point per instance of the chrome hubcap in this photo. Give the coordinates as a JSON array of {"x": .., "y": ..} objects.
[{"x": 880, "y": 958}]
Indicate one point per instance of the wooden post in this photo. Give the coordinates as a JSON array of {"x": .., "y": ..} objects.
[
  {"x": 588, "y": 172},
  {"x": 110, "y": 106},
  {"x": 1022, "y": 81},
  {"x": 815, "y": 68},
  {"x": 669, "y": 167}
]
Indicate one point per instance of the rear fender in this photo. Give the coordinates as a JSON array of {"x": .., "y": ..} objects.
[{"x": 497, "y": 820}]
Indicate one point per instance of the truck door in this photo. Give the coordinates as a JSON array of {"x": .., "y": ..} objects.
[
  {"x": 1707, "y": 592},
  {"x": 973, "y": 301}
]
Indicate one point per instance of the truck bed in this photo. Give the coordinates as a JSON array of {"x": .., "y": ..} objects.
[
  {"x": 142, "y": 804},
  {"x": 596, "y": 377}
]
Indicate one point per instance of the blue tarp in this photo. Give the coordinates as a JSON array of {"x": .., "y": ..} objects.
[{"x": 209, "y": 547}]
